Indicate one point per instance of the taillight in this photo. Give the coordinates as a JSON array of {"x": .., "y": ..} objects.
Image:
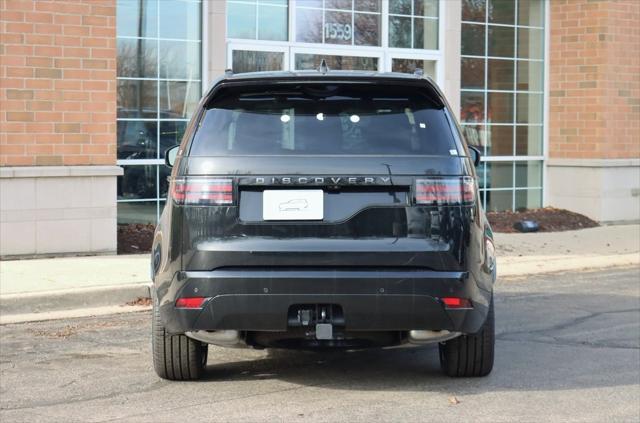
[
  {"x": 454, "y": 302},
  {"x": 441, "y": 191},
  {"x": 202, "y": 191},
  {"x": 191, "y": 302}
]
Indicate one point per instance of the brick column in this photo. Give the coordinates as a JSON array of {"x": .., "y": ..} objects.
[
  {"x": 57, "y": 126},
  {"x": 594, "y": 108}
]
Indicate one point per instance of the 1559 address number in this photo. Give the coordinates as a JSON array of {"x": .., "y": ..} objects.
[{"x": 338, "y": 31}]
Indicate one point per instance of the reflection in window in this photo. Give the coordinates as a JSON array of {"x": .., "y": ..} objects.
[
  {"x": 258, "y": 19},
  {"x": 138, "y": 182},
  {"x": 158, "y": 88},
  {"x": 343, "y": 22},
  {"x": 312, "y": 61},
  {"x": 137, "y": 139},
  {"x": 256, "y": 61},
  {"x": 413, "y": 24},
  {"x": 502, "y": 99},
  {"x": 410, "y": 66},
  {"x": 137, "y": 98},
  {"x": 178, "y": 99}
]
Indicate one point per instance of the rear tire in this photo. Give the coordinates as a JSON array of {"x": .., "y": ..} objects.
[
  {"x": 175, "y": 357},
  {"x": 470, "y": 355}
]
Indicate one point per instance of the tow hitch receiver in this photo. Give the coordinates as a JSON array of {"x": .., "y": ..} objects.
[{"x": 321, "y": 316}]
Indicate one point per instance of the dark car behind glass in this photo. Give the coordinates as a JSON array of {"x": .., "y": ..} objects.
[{"x": 322, "y": 210}]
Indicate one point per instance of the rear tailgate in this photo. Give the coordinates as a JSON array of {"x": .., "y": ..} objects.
[{"x": 372, "y": 222}]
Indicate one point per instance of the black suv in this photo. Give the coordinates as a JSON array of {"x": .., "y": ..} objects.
[{"x": 322, "y": 210}]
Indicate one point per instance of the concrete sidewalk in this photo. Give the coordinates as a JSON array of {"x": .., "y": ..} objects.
[{"x": 104, "y": 283}]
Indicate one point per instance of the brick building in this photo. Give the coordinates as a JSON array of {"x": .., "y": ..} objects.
[{"x": 93, "y": 91}]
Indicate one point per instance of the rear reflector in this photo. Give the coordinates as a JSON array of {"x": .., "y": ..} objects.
[
  {"x": 453, "y": 302},
  {"x": 441, "y": 191},
  {"x": 202, "y": 191},
  {"x": 190, "y": 302}
]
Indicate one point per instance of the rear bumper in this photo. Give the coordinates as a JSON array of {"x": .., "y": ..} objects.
[{"x": 250, "y": 299}]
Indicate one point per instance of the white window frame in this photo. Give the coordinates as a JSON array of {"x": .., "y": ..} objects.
[{"x": 383, "y": 52}]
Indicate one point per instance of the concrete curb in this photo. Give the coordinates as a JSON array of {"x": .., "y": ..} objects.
[
  {"x": 533, "y": 265},
  {"x": 70, "y": 299},
  {"x": 93, "y": 301}
]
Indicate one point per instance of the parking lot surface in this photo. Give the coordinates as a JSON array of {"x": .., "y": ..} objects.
[{"x": 568, "y": 349}]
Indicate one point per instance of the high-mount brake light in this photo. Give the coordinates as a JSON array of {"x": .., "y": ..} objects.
[
  {"x": 445, "y": 191},
  {"x": 202, "y": 191}
]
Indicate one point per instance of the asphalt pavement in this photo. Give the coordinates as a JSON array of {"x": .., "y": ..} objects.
[{"x": 568, "y": 349}]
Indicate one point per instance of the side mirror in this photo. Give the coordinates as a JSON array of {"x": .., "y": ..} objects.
[
  {"x": 475, "y": 155},
  {"x": 170, "y": 155}
]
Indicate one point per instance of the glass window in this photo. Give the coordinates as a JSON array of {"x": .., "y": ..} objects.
[
  {"x": 410, "y": 66},
  {"x": 474, "y": 10},
  {"x": 499, "y": 107},
  {"x": 498, "y": 200},
  {"x": 530, "y": 43},
  {"x": 413, "y": 24},
  {"x": 475, "y": 135},
  {"x": 309, "y": 25},
  {"x": 531, "y": 13},
  {"x": 499, "y": 140},
  {"x": 256, "y": 61},
  {"x": 529, "y": 140},
  {"x": 472, "y": 107},
  {"x": 178, "y": 99},
  {"x": 529, "y": 108},
  {"x": 425, "y": 34},
  {"x": 530, "y": 76},
  {"x": 473, "y": 40},
  {"x": 137, "y": 18},
  {"x": 399, "y": 32},
  {"x": 333, "y": 119},
  {"x": 305, "y": 61},
  {"x": 138, "y": 182},
  {"x": 241, "y": 20},
  {"x": 137, "y": 139},
  {"x": 502, "y": 11},
  {"x": 342, "y": 22},
  {"x": 158, "y": 87},
  {"x": 501, "y": 41},
  {"x": 502, "y": 98},
  {"x": 272, "y": 23},
  {"x": 499, "y": 175},
  {"x": 137, "y": 58},
  {"x": 137, "y": 98},
  {"x": 258, "y": 19},
  {"x": 171, "y": 133},
  {"x": 472, "y": 73},
  {"x": 367, "y": 29},
  {"x": 179, "y": 59},
  {"x": 528, "y": 174},
  {"x": 500, "y": 74},
  {"x": 528, "y": 199},
  {"x": 179, "y": 19}
]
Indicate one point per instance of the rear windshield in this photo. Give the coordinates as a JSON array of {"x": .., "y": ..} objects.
[{"x": 323, "y": 119}]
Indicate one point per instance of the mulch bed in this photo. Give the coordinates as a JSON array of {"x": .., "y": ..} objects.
[
  {"x": 549, "y": 219},
  {"x": 135, "y": 238}
]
